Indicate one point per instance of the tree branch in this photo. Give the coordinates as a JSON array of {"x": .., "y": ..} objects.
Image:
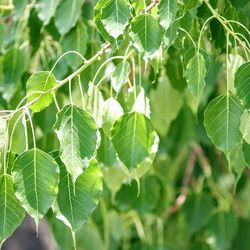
[
  {"x": 185, "y": 183},
  {"x": 151, "y": 6}
]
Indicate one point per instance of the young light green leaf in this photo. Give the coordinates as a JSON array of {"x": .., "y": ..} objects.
[
  {"x": 74, "y": 207},
  {"x": 242, "y": 83},
  {"x": 75, "y": 40},
  {"x": 12, "y": 213},
  {"x": 78, "y": 136},
  {"x": 146, "y": 34},
  {"x": 167, "y": 12},
  {"x": 132, "y": 136},
  {"x": 141, "y": 104},
  {"x": 115, "y": 16},
  {"x": 46, "y": 9},
  {"x": 36, "y": 178},
  {"x": 95, "y": 103},
  {"x": 120, "y": 75},
  {"x": 222, "y": 122},
  {"x": 37, "y": 84},
  {"x": 112, "y": 110},
  {"x": 67, "y": 15},
  {"x": 195, "y": 75}
]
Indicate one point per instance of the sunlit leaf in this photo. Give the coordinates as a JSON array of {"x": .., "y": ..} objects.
[
  {"x": 78, "y": 136},
  {"x": 146, "y": 34},
  {"x": 115, "y": 15},
  {"x": 36, "y": 86}
]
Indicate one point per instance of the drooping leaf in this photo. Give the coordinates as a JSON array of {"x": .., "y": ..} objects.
[
  {"x": 115, "y": 16},
  {"x": 67, "y": 15},
  {"x": 36, "y": 178},
  {"x": 146, "y": 34},
  {"x": 120, "y": 75},
  {"x": 46, "y": 9},
  {"x": 75, "y": 40},
  {"x": 12, "y": 213},
  {"x": 97, "y": 17},
  {"x": 242, "y": 83},
  {"x": 41, "y": 81},
  {"x": 195, "y": 75},
  {"x": 75, "y": 204},
  {"x": 222, "y": 122},
  {"x": 132, "y": 136},
  {"x": 167, "y": 12},
  {"x": 78, "y": 136}
]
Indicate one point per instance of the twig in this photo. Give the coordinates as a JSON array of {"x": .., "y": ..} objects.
[
  {"x": 184, "y": 189},
  {"x": 151, "y": 6}
]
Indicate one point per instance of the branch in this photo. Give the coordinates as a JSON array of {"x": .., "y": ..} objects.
[
  {"x": 151, "y": 6},
  {"x": 185, "y": 182}
]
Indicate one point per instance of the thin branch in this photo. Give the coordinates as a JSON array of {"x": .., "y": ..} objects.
[
  {"x": 185, "y": 183},
  {"x": 151, "y": 6}
]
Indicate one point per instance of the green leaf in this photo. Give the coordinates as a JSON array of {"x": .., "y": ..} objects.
[
  {"x": 19, "y": 8},
  {"x": 167, "y": 12},
  {"x": 36, "y": 178},
  {"x": 245, "y": 126},
  {"x": 132, "y": 136},
  {"x": 146, "y": 34},
  {"x": 75, "y": 204},
  {"x": 120, "y": 75},
  {"x": 67, "y": 15},
  {"x": 222, "y": 122},
  {"x": 12, "y": 213},
  {"x": 78, "y": 136},
  {"x": 98, "y": 21},
  {"x": 46, "y": 9},
  {"x": 115, "y": 16},
  {"x": 242, "y": 83},
  {"x": 75, "y": 40},
  {"x": 17, "y": 132},
  {"x": 166, "y": 98},
  {"x": 195, "y": 75},
  {"x": 14, "y": 65},
  {"x": 221, "y": 230},
  {"x": 3, "y": 132},
  {"x": 197, "y": 210},
  {"x": 41, "y": 81}
]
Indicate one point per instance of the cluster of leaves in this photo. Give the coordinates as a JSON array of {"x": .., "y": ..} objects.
[{"x": 134, "y": 92}]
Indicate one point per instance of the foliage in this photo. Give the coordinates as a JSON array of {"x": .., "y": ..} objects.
[{"x": 125, "y": 123}]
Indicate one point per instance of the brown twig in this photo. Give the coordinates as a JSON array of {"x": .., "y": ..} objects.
[
  {"x": 184, "y": 189},
  {"x": 151, "y": 6}
]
